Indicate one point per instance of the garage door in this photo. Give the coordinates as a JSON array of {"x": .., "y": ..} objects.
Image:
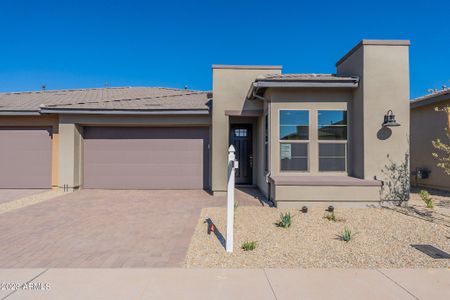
[
  {"x": 146, "y": 157},
  {"x": 25, "y": 158}
]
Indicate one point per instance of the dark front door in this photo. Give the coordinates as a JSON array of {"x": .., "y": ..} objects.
[{"x": 241, "y": 139}]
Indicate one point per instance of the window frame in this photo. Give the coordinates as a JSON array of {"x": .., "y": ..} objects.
[
  {"x": 345, "y": 171},
  {"x": 307, "y": 142}
]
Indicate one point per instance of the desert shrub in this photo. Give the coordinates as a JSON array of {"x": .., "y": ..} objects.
[
  {"x": 425, "y": 196},
  {"x": 330, "y": 216},
  {"x": 249, "y": 245},
  {"x": 396, "y": 184},
  {"x": 285, "y": 220},
  {"x": 346, "y": 235}
]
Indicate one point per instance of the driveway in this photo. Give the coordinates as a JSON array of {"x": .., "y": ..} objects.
[
  {"x": 106, "y": 228},
  {"x": 7, "y": 195}
]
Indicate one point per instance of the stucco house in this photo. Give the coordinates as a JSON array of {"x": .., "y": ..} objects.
[
  {"x": 427, "y": 125},
  {"x": 300, "y": 138}
]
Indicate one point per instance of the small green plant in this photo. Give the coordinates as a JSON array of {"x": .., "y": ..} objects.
[
  {"x": 330, "y": 216},
  {"x": 425, "y": 196},
  {"x": 249, "y": 245},
  {"x": 285, "y": 220},
  {"x": 346, "y": 235}
]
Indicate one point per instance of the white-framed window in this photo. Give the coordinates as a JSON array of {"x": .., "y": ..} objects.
[
  {"x": 294, "y": 140},
  {"x": 332, "y": 138}
]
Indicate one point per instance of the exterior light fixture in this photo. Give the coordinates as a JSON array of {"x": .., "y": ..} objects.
[
  {"x": 389, "y": 119},
  {"x": 331, "y": 208},
  {"x": 304, "y": 209}
]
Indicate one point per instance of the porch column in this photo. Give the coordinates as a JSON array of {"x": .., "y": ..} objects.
[{"x": 70, "y": 156}]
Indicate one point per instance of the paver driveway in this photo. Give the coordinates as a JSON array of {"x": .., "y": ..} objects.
[{"x": 105, "y": 228}]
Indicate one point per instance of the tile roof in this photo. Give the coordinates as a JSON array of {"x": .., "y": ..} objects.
[
  {"x": 302, "y": 77},
  {"x": 432, "y": 98},
  {"x": 432, "y": 95},
  {"x": 120, "y": 98}
]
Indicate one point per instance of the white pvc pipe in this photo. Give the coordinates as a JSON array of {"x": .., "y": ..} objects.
[{"x": 230, "y": 198}]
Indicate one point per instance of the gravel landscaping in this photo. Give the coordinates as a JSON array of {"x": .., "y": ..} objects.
[{"x": 381, "y": 238}]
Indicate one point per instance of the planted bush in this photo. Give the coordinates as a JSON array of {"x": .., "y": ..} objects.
[
  {"x": 330, "y": 216},
  {"x": 425, "y": 196},
  {"x": 249, "y": 245},
  {"x": 346, "y": 235},
  {"x": 285, "y": 220}
]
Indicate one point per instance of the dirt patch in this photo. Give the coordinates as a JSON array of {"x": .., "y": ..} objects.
[{"x": 382, "y": 238}]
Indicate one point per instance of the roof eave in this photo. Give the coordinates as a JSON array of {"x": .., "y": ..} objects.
[
  {"x": 19, "y": 113},
  {"x": 307, "y": 83},
  {"x": 264, "y": 84},
  {"x": 428, "y": 100},
  {"x": 124, "y": 111}
]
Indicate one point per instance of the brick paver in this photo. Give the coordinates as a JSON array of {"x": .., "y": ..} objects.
[{"x": 106, "y": 228}]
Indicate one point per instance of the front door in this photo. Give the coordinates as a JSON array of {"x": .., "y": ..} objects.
[{"x": 241, "y": 139}]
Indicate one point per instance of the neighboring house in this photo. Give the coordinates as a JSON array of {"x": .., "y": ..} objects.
[
  {"x": 302, "y": 138},
  {"x": 427, "y": 125}
]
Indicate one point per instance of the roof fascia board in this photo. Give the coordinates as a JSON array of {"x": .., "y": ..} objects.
[
  {"x": 123, "y": 112},
  {"x": 307, "y": 83},
  {"x": 19, "y": 113},
  {"x": 429, "y": 101}
]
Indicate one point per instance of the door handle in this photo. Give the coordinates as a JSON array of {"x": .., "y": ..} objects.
[{"x": 250, "y": 158}]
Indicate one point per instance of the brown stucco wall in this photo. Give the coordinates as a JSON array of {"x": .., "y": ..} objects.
[
  {"x": 38, "y": 121},
  {"x": 428, "y": 125}
]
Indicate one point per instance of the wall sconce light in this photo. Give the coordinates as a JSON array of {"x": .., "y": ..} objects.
[{"x": 389, "y": 119}]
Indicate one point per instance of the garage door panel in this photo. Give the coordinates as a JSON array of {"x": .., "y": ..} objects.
[
  {"x": 25, "y": 157},
  {"x": 139, "y": 157},
  {"x": 146, "y": 158}
]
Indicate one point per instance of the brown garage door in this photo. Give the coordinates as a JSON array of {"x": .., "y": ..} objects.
[
  {"x": 25, "y": 158},
  {"x": 146, "y": 157}
]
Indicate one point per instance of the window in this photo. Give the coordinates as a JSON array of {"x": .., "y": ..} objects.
[
  {"x": 332, "y": 125},
  {"x": 294, "y": 125},
  {"x": 332, "y": 135},
  {"x": 294, "y": 156},
  {"x": 294, "y": 137},
  {"x": 332, "y": 157}
]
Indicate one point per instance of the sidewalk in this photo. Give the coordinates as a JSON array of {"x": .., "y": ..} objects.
[{"x": 228, "y": 283}]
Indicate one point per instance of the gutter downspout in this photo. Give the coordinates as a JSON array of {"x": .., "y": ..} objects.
[
  {"x": 269, "y": 135},
  {"x": 269, "y": 156}
]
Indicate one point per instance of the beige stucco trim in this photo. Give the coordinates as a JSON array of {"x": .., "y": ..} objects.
[
  {"x": 373, "y": 43},
  {"x": 39, "y": 121},
  {"x": 246, "y": 67}
]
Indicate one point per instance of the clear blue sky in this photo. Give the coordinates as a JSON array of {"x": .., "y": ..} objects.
[{"x": 79, "y": 44}]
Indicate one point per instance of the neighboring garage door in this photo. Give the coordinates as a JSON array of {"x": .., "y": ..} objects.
[
  {"x": 25, "y": 158},
  {"x": 146, "y": 157}
]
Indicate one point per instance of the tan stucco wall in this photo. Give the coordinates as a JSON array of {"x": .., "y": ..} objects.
[
  {"x": 384, "y": 85},
  {"x": 297, "y": 196},
  {"x": 302, "y": 99},
  {"x": 38, "y": 121},
  {"x": 71, "y": 138},
  {"x": 428, "y": 125},
  {"x": 230, "y": 87}
]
